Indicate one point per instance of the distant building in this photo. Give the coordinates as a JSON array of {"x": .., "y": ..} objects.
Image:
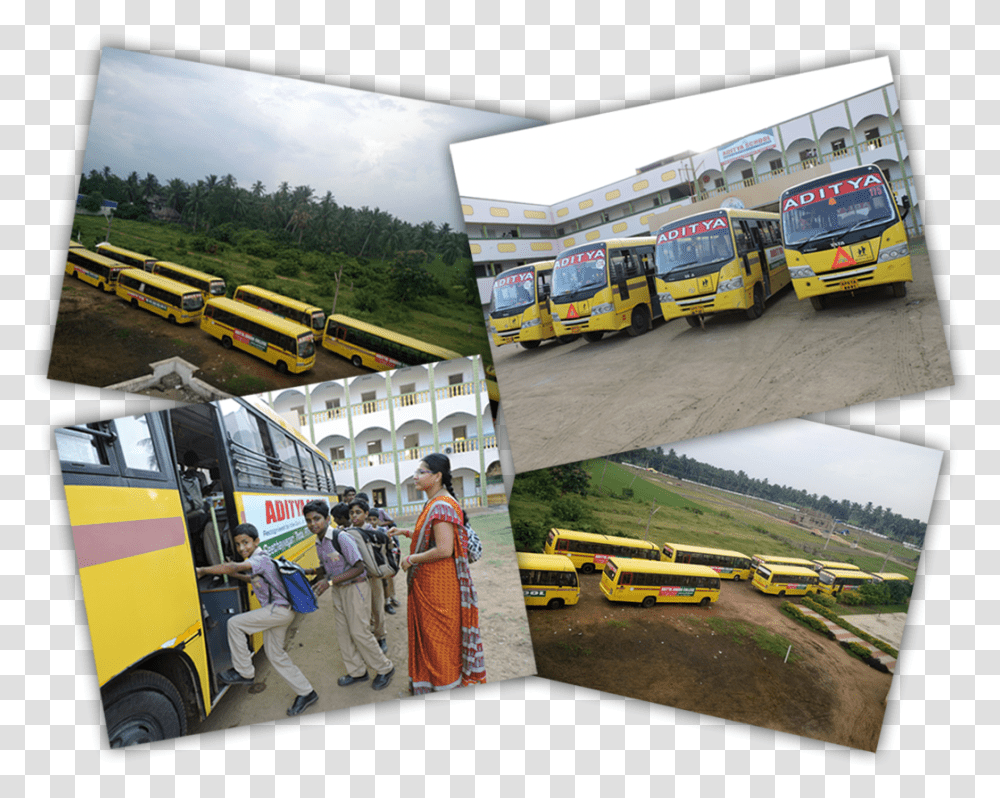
[
  {"x": 813, "y": 519},
  {"x": 375, "y": 428}
]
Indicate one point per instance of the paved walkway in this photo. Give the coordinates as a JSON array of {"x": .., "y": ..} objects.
[{"x": 843, "y": 636}]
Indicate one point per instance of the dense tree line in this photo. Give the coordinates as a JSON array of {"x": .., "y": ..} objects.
[
  {"x": 219, "y": 207},
  {"x": 877, "y": 519}
]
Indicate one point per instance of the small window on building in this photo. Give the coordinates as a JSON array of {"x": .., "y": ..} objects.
[
  {"x": 839, "y": 145},
  {"x": 776, "y": 165},
  {"x": 331, "y": 404},
  {"x": 368, "y": 396},
  {"x": 337, "y": 453},
  {"x": 719, "y": 182}
]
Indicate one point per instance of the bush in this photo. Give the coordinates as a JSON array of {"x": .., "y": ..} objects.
[
  {"x": 539, "y": 484},
  {"x": 287, "y": 267},
  {"x": 571, "y": 479},
  {"x": 569, "y": 510},
  {"x": 528, "y": 535}
]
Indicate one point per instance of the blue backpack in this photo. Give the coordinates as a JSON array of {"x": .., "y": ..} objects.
[{"x": 297, "y": 589}]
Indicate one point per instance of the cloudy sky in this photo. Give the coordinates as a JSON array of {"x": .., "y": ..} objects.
[
  {"x": 181, "y": 119},
  {"x": 552, "y": 163},
  {"x": 826, "y": 460}
]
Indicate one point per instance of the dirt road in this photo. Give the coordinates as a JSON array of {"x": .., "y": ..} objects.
[
  {"x": 569, "y": 402},
  {"x": 670, "y": 654}
]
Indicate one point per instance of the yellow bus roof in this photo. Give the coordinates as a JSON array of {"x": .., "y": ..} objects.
[
  {"x": 399, "y": 338},
  {"x": 661, "y": 567},
  {"x": 891, "y": 576},
  {"x": 188, "y": 270},
  {"x": 274, "y": 296},
  {"x": 598, "y": 538},
  {"x": 260, "y": 316},
  {"x": 549, "y": 562},
  {"x": 97, "y": 257},
  {"x": 781, "y": 559},
  {"x": 846, "y": 572},
  {"x": 733, "y": 213},
  {"x": 705, "y": 550},
  {"x": 795, "y": 570},
  {"x": 181, "y": 289},
  {"x": 106, "y": 245},
  {"x": 843, "y": 566}
]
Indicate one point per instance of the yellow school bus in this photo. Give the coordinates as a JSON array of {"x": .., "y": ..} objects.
[
  {"x": 547, "y": 580},
  {"x": 92, "y": 268},
  {"x": 833, "y": 582},
  {"x": 377, "y": 348},
  {"x": 287, "y": 346},
  {"x": 589, "y": 551},
  {"x": 604, "y": 286},
  {"x": 158, "y": 632},
  {"x": 647, "y": 582},
  {"x": 209, "y": 285},
  {"x": 134, "y": 259},
  {"x": 778, "y": 579},
  {"x": 888, "y": 576},
  {"x": 292, "y": 309},
  {"x": 726, "y": 563},
  {"x": 718, "y": 261},
  {"x": 843, "y": 232},
  {"x": 519, "y": 309},
  {"x": 176, "y": 302}
]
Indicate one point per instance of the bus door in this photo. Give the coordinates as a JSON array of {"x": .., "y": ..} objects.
[
  {"x": 756, "y": 233},
  {"x": 745, "y": 251},
  {"x": 644, "y": 256},
  {"x": 619, "y": 272},
  {"x": 196, "y": 428}
]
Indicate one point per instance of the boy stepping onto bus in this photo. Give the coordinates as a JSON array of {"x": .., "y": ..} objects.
[
  {"x": 273, "y": 619},
  {"x": 345, "y": 573}
]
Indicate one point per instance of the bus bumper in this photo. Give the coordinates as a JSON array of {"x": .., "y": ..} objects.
[{"x": 853, "y": 279}]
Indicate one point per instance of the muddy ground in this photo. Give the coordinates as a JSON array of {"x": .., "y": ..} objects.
[
  {"x": 100, "y": 340},
  {"x": 569, "y": 402},
  {"x": 312, "y": 644},
  {"x": 669, "y": 654}
]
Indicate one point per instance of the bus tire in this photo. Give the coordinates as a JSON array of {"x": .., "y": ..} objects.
[
  {"x": 781, "y": 594},
  {"x": 649, "y": 601},
  {"x": 736, "y": 577},
  {"x": 143, "y": 707},
  {"x": 705, "y": 601},
  {"x": 756, "y": 310},
  {"x": 556, "y": 603},
  {"x": 172, "y": 319},
  {"x": 587, "y": 568},
  {"x": 641, "y": 321},
  {"x": 227, "y": 342},
  {"x": 530, "y": 344},
  {"x": 899, "y": 289},
  {"x": 356, "y": 361},
  {"x": 818, "y": 302},
  {"x": 693, "y": 321},
  {"x": 567, "y": 339},
  {"x": 281, "y": 366},
  {"x": 593, "y": 336},
  {"x": 135, "y": 303}
]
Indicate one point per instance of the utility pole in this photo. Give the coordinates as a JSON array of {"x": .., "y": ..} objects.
[{"x": 649, "y": 521}]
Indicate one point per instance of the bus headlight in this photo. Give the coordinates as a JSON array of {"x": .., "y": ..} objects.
[
  {"x": 665, "y": 297},
  {"x": 730, "y": 285},
  {"x": 798, "y": 272},
  {"x": 530, "y": 323},
  {"x": 898, "y": 251},
  {"x": 597, "y": 310}
]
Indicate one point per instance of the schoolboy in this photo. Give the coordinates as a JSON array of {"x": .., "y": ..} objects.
[
  {"x": 345, "y": 574},
  {"x": 272, "y": 618}
]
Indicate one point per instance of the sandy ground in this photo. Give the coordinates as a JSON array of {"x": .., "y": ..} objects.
[
  {"x": 312, "y": 643},
  {"x": 886, "y": 627},
  {"x": 669, "y": 654},
  {"x": 568, "y": 402}
]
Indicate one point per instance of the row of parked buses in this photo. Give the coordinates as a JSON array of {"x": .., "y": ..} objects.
[
  {"x": 278, "y": 329},
  {"x": 837, "y": 233},
  {"x": 641, "y": 572}
]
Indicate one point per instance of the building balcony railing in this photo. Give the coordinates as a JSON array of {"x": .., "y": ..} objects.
[
  {"x": 414, "y": 454},
  {"x": 399, "y": 401}
]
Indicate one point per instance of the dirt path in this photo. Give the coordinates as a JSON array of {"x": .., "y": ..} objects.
[
  {"x": 564, "y": 403},
  {"x": 669, "y": 654}
]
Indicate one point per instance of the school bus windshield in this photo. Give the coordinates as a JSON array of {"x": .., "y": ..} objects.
[
  {"x": 684, "y": 246},
  {"x": 307, "y": 346},
  {"x": 836, "y": 207},
  {"x": 579, "y": 273},
  {"x": 514, "y": 290}
]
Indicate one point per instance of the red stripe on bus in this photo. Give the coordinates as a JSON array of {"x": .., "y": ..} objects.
[{"x": 100, "y": 543}]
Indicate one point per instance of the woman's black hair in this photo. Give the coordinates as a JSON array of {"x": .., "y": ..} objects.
[{"x": 438, "y": 463}]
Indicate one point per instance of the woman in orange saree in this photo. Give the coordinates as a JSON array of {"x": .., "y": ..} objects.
[{"x": 442, "y": 607}]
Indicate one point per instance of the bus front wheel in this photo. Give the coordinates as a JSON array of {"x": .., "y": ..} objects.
[
  {"x": 143, "y": 707},
  {"x": 641, "y": 321},
  {"x": 705, "y": 601},
  {"x": 556, "y": 604},
  {"x": 818, "y": 302},
  {"x": 736, "y": 577},
  {"x": 281, "y": 366},
  {"x": 593, "y": 336},
  {"x": 694, "y": 321},
  {"x": 227, "y": 342},
  {"x": 781, "y": 594},
  {"x": 135, "y": 303},
  {"x": 649, "y": 601},
  {"x": 587, "y": 568},
  {"x": 356, "y": 361},
  {"x": 899, "y": 290},
  {"x": 530, "y": 344},
  {"x": 756, "y": 310}
]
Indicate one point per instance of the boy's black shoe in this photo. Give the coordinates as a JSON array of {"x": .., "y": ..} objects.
[
  {"x": 302, "y": 702},
  {"x": 382, "y": 680},
  {"x": 347, "y": 681},
  {"x": 232, "y": 676}
]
